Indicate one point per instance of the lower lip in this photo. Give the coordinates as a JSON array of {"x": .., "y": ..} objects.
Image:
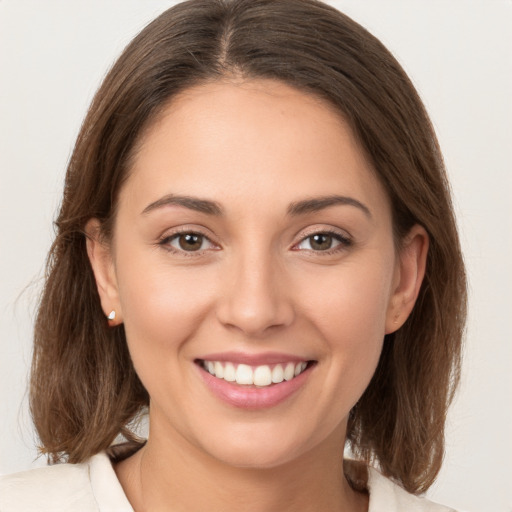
[{"x": 253, "y": 397}]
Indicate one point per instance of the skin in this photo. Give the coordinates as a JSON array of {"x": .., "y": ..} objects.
[{"x": 257, "y": 284}]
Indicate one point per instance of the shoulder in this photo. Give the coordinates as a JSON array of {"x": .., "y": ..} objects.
[
  {"x": 58, "y": 487},
  {"x": 87, "y": 487},
  {"x": 388, "y": 496}
]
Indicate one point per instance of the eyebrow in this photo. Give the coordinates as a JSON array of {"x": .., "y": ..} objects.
[
  {"x": 294, "y": 209},
  {"x": 319, "y": 203},
  {"x": 192, "y": 203}
]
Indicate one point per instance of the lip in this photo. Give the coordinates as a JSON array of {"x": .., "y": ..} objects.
[
  {"x": 253, "y": 359},
  {"x": 253, "y": 397}
]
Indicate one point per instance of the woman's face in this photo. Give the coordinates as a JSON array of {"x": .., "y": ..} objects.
[{"x": 252, "y": 241}]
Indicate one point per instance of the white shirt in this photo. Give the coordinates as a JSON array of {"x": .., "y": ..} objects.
[{"x": 93, "y": 487}]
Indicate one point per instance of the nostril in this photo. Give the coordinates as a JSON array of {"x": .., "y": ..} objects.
[{"x": 253, "y": 317}]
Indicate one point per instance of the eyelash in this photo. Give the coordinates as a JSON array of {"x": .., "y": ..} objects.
[
  {"x": 344, "y": 242},
  {"x": 165, "y": 241}
]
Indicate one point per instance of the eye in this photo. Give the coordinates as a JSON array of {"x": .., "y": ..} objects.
[
  {"x": 324, "y": 241},
  {"x": 188, "y": 242}
]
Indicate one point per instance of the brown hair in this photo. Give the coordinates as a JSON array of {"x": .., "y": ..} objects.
[{"x": 84, "y": 390}]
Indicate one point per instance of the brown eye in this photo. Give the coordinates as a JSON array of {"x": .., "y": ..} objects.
[
  {"x": 326, "y": 241},
  {"x": 320, "y": 242},
  {"x": 190, "y": 242}
]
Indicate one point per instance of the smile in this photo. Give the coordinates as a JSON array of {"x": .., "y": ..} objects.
[
  {"x": 261, "y": 376},
  {"x": 254, "y": 381}
]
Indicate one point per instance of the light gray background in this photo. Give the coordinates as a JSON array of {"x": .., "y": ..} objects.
[{"x": 53, "y": 55}]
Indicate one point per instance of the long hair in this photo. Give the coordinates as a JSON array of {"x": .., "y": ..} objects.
[{"x": 84, "y": 389}]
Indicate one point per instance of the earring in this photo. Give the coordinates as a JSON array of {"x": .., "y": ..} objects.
[{"x": 112, "y": 315}]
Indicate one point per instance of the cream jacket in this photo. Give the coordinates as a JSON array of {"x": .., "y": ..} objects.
[{"x": 93, "y": 487}]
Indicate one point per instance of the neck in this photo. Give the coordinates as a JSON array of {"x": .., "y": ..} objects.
[{"x": 165, "y": 473}]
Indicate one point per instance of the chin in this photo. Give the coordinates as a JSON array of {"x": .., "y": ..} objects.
[
  {"x": 263, "y": 446},
  {"x": 256, "y": 456}
]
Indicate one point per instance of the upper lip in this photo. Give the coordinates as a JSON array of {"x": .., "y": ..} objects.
[{"x": 253, "y": 359}]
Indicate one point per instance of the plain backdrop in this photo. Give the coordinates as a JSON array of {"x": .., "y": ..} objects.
[{"x": 53, "y": 55}]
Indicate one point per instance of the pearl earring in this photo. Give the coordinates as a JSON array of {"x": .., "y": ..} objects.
[{"x": 112, "y": 315}]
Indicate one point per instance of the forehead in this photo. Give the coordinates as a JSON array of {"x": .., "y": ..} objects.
[{"x": 257, "y": 139}]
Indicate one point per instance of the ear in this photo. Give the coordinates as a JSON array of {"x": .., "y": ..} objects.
[
  {"x": 409, "y": 274},
  {"x": 100, "y": 257}
]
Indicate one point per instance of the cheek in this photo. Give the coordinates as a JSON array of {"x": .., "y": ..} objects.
[
  {"x": 353, "y": 298},
  {"x": 162, "y": 307},
  {"x": 348, "y": 308}
]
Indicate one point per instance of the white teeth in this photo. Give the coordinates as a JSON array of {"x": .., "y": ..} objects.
[
  {"x": 277, "y": 374},
  {"x": 260, "y": 376},
  {"x": 244, "y": 374},
  {"x": 289, "y": 371},
  {"x": 219, "y": 370},
  {"x": 229, "y": 372}
]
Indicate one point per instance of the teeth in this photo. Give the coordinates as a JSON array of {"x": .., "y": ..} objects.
[
  {"x": 299, "y": 368},
  {"x": 244, "y": 374},
  {"x": 219, "y": 370},
  {"x": 277, "y": 374},
  {"x": 262, "y": 376},
  {"x": 229, "y": 373},
  {"x": 289, "y": 371},
  {"x": 259, "y": 376}
]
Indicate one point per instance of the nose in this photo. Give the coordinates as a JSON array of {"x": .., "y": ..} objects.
[{"x": 255, "y": 297}]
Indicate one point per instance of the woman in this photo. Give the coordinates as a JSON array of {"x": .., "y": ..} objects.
[{"x": 256, "y": 241}]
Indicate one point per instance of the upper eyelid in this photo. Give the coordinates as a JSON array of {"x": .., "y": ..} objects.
[
  {"x": 343, "y": 237},
  {"x": 166, "y": 238},
  {"x": 180, "y": 230},
  {"x": 306, "y": 233},
  {"x": 342, "y": 241}
]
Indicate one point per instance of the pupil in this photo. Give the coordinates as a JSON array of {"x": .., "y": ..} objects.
[
  {"x": 190, "y": 242},
  {"x": 321, "y": 242}
]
